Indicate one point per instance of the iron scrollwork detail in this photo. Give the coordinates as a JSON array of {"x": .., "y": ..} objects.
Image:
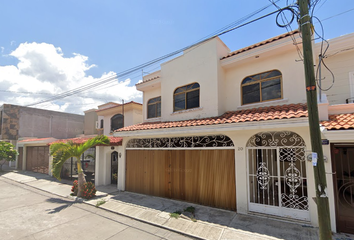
[
  {"x": 182, "y": 142},
  {"x": 275, "y": 139}
]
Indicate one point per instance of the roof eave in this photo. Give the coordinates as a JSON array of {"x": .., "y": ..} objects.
[{"x": 288, "y": 122}]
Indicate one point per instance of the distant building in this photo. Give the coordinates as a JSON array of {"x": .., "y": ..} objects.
[{"x": 17, "y": 122}]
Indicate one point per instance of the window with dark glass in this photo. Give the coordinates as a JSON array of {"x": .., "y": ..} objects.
[
  {"x": 101, "y": 123},
  {"x": 154, "y": 107},
  {"x": 262, "y": 87},
  {"x": 186, "y": 97},
  {"x": 117, "y": 121}
]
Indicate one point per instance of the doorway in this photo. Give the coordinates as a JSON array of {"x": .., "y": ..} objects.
[
  {"x": 277, "y": 182},
  {"x": 114, "y": 167},
  {"x": 343, "y": 166}
]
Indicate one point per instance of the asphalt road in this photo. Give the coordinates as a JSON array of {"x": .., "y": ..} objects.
[{"x": 28, "y": 213}]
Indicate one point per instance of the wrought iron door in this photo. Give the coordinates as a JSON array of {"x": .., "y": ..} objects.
[
  {"x": 277, "y": 179},
  {"x": 343, "y": 165}
]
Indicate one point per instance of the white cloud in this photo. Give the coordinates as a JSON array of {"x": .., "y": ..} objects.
[{"x": 43, "y": 71}]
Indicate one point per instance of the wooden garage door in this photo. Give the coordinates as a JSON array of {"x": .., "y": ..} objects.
[
  {"x": 37, "y": 159},
  {"x": 205, "y": 177}
]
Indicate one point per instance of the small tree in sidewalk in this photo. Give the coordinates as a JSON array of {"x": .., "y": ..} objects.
[
  {"x": 8, "y": 153},
  {"x": 63, "y": 151}
]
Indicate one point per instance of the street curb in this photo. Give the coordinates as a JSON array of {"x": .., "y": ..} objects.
[{"x": 80, "y": 200}]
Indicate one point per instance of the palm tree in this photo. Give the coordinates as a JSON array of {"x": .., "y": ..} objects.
[{"x": 63, "y": 151}]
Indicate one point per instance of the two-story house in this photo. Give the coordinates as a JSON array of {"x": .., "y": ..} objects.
[
  {"x": 230, "y": 130},
  {"x": 100, "y": 164}
]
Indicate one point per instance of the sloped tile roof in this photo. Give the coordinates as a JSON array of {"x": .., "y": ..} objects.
[
  {"x": 339, "y": 122},
  {"x": 34, "y": 140},
  {"x": 247, "y": 115},
  {"x": 148, "y": 80},
  {"x": 114, "y": 141},
  {"x": 261, "y": 43}
]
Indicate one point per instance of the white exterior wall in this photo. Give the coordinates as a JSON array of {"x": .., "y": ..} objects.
[
  {"x": 103, "y": 166},
  {"x": 149, "y": 94},
  {"x": 340, "y": 60},
  {"x": 293, "y": 80},
  {"x": 199, "y": 64},
  {"x": 131, "y": 117},
  {"x": 341, "y": 65}
]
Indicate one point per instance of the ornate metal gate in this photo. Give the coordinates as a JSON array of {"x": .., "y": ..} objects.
[
  {"x": 343, "y": 166},
  {"x": 277, "y": 175}
]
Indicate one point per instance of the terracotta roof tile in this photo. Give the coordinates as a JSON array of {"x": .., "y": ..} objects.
[
  {"x": 246, "y": 115},
  {"x": 148, "y": 80},
  {"x": 339, "y": 122},
  {"x": 114, "y": 141},
  {"x": 260, "y": 44},
  {"x": 34, "y": 140}
]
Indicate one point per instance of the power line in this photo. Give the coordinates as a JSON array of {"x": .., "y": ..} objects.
[{"x": 149, "y": 63}]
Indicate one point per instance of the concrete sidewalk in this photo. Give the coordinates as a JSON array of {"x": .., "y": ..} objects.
[{"x": 211, "y": 223}]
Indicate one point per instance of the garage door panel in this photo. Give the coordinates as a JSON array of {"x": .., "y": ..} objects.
[
  {"x": 179, "y": 171},
  {"x": 135, "y": 171},
  {"x": 155, "y": 167},
  {"x": 205, "y": 177},
  {"x": 37, "y": 159},
  {"x": 146, "y": 172}
]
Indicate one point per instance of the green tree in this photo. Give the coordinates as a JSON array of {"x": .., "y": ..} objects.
[
  {"x": 7, "y": 153},
  {"x": 63, "y": 151}
]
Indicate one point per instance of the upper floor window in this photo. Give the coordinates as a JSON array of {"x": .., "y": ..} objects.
[
  {"x": 117, "y": 121},
  {"x": 186, "y": 97},
  {"x": 154, "y": 107},
  {"x": 262, "y": 87}
]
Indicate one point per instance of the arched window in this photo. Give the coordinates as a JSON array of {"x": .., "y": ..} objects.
[
  {"x": 117, "y": 121},
  {"x": 186, "y": 97},
  {"x": 154, "y": 107},
  {"x": 262, "y": 87}
]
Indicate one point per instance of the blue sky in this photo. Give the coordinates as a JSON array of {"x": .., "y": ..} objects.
[{"x": 104, "y": 37}]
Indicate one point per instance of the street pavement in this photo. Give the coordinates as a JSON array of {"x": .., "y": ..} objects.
[
  {"x": 74, "y": 217},
  {"x": 28, "y": 213}
]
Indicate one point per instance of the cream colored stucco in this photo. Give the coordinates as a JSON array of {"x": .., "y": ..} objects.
[
  {"x": 220, "y": 91},
  {"x": 340, "y": 60}
]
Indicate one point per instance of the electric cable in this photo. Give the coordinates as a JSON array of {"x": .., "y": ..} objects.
[{"x": 139, "y": 67}]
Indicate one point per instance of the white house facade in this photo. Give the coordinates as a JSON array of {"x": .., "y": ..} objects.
[{"x": 230, "y": 130}]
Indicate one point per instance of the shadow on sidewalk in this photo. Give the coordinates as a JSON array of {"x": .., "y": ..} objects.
[{"x": 223, "y": 218}]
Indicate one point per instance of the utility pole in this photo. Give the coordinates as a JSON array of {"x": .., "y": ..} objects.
[{"x": 319, "y": 168}]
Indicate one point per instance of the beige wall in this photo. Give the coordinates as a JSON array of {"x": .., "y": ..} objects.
[
  {"x": 151, "y": 93},
  {"x": 341, "y": 65},
  {"x": 90, "y": 122},
  {"x": 131, "y": 116},
  {"x": 283, "y": 60},
  {"x": 220, "y": 80},
  {"x": 199, "y": 64}
]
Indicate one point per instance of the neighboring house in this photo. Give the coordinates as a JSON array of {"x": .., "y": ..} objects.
[
  {"x": 18, "y": 123},
  {"x": 112, "y": 116},
  {"x": 100, "y": 164},
  {"x": 230, "y": 130}
]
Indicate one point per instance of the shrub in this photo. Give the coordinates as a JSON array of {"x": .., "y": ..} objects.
[
  {"x": 75, "y": 188},
  {"x": 89, "y": 190}
]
